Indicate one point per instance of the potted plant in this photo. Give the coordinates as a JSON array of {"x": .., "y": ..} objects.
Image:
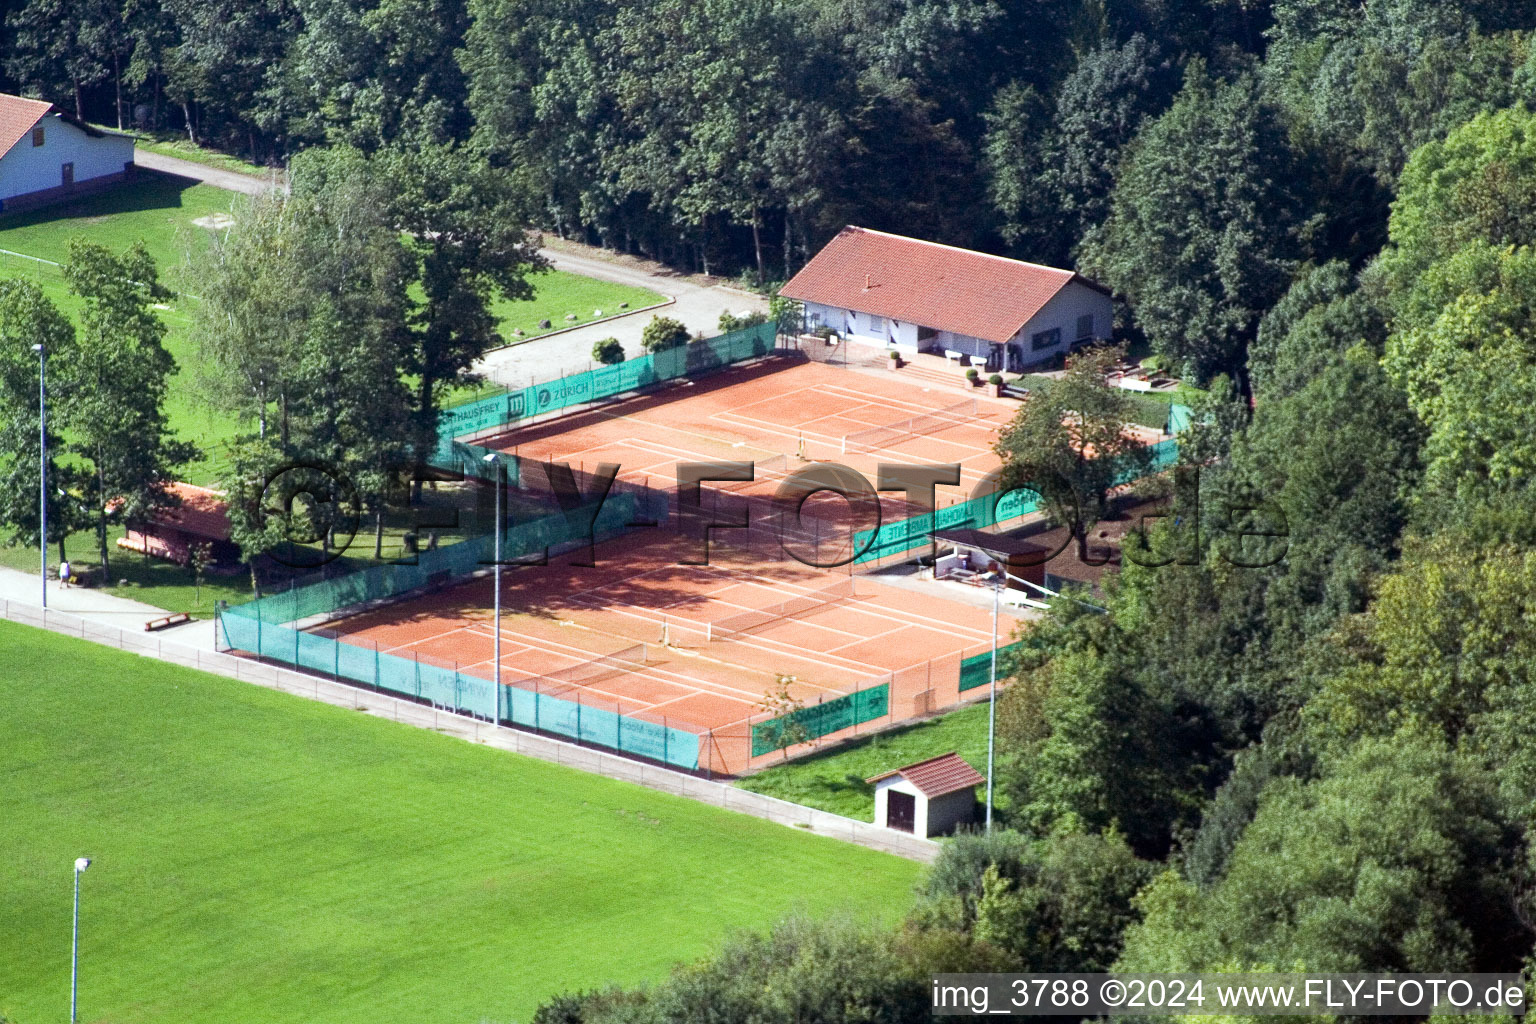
[
  {"x": 974, "y": 376},
  {"x": 996, "y": 380},
  {"x": 893, "y": 359}
]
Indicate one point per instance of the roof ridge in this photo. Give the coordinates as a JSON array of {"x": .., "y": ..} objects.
[
  {"x": 958, "y": 249},
  {"x": 930, "y": 760}
]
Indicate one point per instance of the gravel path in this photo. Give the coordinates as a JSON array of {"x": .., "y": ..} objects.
[{"x": 228, "y": 180}]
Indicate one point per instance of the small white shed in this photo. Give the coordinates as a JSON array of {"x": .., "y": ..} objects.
[{"x": 928, "y": 798}]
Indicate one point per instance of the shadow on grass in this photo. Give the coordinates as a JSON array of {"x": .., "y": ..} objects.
[{"x": 149, "y": 190}]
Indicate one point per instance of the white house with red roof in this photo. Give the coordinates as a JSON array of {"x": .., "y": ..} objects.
[
  {"x": 47, "y": 155},
  {"x": 904, "y": 293},
  {"x": 929, "y": 798}
]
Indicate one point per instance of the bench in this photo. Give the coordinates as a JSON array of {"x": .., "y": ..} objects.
[
  {"x": 167, "y": 622},
  {"x": 953, "y": 356}
]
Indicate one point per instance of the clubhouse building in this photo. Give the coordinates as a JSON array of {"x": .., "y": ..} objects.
[{"x": 879, "y": 289}]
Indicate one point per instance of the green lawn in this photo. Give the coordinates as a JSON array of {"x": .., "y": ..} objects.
[
  {"x": 834, "y": 781},
  {"x": 257, "y": 857},
  {"x": 160, "y": 211},
  {"x": 169, "y": 586},
  {"x": 558, "y": 293}
]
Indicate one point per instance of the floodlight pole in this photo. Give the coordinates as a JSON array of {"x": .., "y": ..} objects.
[
  {"x": 74, "y": 958},
  {"x": 42, "y": 465},
  {"x": 495, "y": 460},
  {"x": 997, "y": 585}
]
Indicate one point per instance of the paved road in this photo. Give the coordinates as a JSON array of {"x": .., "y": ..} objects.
[
  {"x": 697, "y": 305},
  {"x": 23, "y": 588},
  {"x": 229, "y": 180}
]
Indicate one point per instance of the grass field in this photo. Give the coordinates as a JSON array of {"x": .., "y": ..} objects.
[
  {"x": 160, "y": 211},
  {"x": 558, "y": 293},
  {"x": 834, "y": 781},
  {"x": 261, "y": 858}
]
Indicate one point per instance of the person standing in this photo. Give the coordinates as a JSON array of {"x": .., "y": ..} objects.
[{"x": 64, "y": 573}]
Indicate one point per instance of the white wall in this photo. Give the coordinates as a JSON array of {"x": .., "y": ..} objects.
[
  {"x": 1062, "y": 312},
  {"x": 949, "y": 340},
  {"x": 861, "y": 327},
  {"x": 900, "y": 785},
  {"x": 929, "y": 817},
  {"x": 28, "y": 168}
]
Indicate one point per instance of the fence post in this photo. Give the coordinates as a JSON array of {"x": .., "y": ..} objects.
[{"x": 377, "y": 675}]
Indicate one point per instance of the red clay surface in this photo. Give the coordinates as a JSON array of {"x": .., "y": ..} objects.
[
  {"x": 656, "y": 617},
  {"x": 766, "y": 414},
  {"x": 561, "y": 617}
]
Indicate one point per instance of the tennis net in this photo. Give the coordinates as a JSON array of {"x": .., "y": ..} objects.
[
  {"x": 746, "y": 622},
  {"x": 630, "y": 659},
  {"x": 881, "y": 438}
]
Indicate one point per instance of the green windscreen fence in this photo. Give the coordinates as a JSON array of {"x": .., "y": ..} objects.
[
  {"x": 978, "y": 513},
  {"x": 1179, "y": 417},
  {"x": 434, "y": 568},
  {"x": 263, "y": 626},
  {"x": 821, "y": 719},
  {"x": 453, "y": 690},
  {"x": 977, "y": 670},
  {"x": 638, "y": 374}
]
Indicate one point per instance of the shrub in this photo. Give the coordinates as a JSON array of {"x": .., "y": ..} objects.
[
  {"x": 731, "y": 322},
  {"x": 893, "y": 355},
  {"x": 608, "y": 351},
  {"x": 972, "y": 373},
  {"x": 996, "y": 378},
  {"x": 663, "y": 333}
]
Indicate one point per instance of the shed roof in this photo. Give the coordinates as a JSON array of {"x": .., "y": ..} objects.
[
  {"x": 938, "y": 286},
  {"x": 17, "y": 116},
  {"x": 201, "y": 513},
  {"x": 937, "y": 776}
]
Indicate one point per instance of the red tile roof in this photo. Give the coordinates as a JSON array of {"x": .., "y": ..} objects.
[
  {"x": 202, "y": 513},
  {"x": 17, "y": 116},
  {"x": 938, "y": 286},
  {"x": 937, "y": 776}
]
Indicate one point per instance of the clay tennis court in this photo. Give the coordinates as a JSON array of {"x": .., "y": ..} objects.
[
  {"x": 679, "y": 645},
  {"x": 698, "y": 647},
  {"x": 779, "y": 415}
]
